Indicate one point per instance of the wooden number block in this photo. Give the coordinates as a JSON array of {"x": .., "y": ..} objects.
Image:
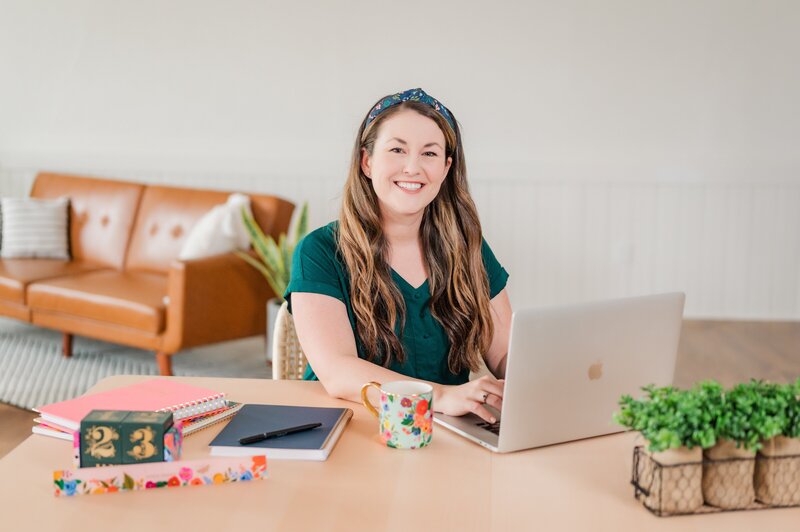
[
  {"x": 143, "y": 436},
  {"x": 173, "y": 442},
  {"x": 101, "y": 438}
]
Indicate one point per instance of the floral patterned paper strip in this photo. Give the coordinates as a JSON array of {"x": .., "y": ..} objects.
[{"x": 113, "y": 479}]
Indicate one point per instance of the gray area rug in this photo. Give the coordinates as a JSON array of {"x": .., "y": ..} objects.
[{"x": 33, "y": 371}]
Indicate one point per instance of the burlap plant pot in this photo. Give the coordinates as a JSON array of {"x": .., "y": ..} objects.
[
  {"x": 777, "y": 479},
  {"x": 729, "y": 483},
  {"x": 674, "y": 483}
]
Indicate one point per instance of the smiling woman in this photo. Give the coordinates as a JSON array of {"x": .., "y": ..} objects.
[{"x": 403, "y": 284}]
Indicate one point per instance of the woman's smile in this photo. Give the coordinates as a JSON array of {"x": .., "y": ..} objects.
[{"x": 409, "y": 187}]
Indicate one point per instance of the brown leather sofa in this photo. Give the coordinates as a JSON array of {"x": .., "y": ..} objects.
[{"x": 124, "y": 283}]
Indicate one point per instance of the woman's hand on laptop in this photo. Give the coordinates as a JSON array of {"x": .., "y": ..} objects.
[{"x": 471, "y": 397}]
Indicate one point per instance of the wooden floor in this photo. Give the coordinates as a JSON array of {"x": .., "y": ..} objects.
[{"x": 728, "y": 351}]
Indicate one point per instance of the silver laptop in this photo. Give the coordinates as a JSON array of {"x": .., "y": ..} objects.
[{"x": 568, "y": 366}]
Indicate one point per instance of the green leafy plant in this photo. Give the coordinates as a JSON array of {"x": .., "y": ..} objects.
[
  {"x": 670, "y": 418},
  {"x": 746, "y": 414},
  {"x": 274, "y": 259},
  {"x": 792, "y": 429},
  {"x": 753, "y": 412}
]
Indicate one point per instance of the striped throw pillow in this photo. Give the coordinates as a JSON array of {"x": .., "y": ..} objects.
[{"x": 35, "y": 228}]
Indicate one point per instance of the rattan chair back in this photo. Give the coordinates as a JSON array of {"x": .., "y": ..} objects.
[{"x": 288, "y": 360}]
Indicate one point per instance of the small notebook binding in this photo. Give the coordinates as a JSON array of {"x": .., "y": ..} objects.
[
  {"x": 207, "y": 404},
  {"x": 203, "y": 423}
]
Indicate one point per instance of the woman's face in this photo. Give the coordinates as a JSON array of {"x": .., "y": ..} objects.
[{"x": 408, "y": 163}]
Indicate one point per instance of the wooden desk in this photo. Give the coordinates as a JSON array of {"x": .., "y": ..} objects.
[{"x": 451, "y": 485}]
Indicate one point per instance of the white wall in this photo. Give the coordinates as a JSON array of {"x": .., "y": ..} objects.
[{"x": 615, "y": 147}]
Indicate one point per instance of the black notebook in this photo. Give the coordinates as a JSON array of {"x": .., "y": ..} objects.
[{"x": 315, "y": 444}]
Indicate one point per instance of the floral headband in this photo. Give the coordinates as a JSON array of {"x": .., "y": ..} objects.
[{"x": 414, "y": 95}]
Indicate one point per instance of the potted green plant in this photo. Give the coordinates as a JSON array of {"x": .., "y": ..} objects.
[
  {"x": 676, "y": 425},
  {"x": 749, "y": 414},
  {"x": 274, "y": 260},
  {"x": 777, "y": 468}
]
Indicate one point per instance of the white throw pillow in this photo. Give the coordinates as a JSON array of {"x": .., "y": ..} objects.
[
  {"x": 220, "y": 230},
  {"x": 35, "y": 228}
]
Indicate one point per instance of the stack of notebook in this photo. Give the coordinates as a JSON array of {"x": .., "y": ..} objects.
[{"x": 197, "y": 407}]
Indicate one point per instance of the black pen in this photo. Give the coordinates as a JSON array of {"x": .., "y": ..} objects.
[{"x": 255, "y": 438}]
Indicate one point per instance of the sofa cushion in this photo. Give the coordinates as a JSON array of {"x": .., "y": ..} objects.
[
  {"x": 34, "y": 228},
  {"x": 129, "y": 299},
  {"x": 17, "y": 274},
  {"x": 220, "y": 230},
  {"x": 102, "y": 214}
]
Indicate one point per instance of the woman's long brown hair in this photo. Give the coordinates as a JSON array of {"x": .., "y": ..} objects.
[{"x": 451, "y": 241}]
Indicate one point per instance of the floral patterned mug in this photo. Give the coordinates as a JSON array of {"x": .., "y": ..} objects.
[{"x": 405, "y": 413}]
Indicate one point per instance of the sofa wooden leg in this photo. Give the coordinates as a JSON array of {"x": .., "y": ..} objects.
[
  {"x": 164, "y": 363},
  {"x": 67, "y": 345}
]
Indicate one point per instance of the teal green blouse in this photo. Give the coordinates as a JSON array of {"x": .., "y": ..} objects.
[{"x": 318, "y": 268}]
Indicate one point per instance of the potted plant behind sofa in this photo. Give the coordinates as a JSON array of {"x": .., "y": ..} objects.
[
  {"x": 274, "y": 261},
  {"x": 676, "y": 425},
  {"x": 744, "y": 421},
  {"x": 777, "y": 470}
]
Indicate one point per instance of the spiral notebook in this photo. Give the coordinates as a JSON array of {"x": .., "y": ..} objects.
[
  {"x": 160, "y": 395},
  {"x": 190, "y": 424}
]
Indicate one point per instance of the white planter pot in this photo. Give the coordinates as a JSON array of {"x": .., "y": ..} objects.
[{"x": 273, "y": 306}]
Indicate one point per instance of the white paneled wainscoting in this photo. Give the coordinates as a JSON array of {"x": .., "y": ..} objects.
[{"x": 734, "y": 248}]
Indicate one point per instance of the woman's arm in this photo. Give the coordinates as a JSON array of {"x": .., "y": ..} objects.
[
  {"x": 324, "y": 331},
  {"x": 495, "y": 358}
]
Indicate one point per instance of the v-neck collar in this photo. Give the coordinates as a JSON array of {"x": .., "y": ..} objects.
[{"x": 408, "y": 285}]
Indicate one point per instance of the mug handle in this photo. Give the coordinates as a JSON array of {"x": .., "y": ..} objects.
[{"x": 364, "y": 399}]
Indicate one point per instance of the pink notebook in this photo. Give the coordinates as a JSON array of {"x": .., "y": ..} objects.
[{"x": 183, "y": 400}]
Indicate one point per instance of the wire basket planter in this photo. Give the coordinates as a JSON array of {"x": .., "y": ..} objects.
[{"x": 710, "y": 486}]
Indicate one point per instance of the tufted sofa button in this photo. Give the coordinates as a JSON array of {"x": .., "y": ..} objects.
[
  {"x": 153, "y": 229},
  {"x": 177, "y": 231},
  {"x": 104, "y": 221}
]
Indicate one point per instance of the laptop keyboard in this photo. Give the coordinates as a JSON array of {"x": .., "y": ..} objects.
[{"x": 494, "y": 428}]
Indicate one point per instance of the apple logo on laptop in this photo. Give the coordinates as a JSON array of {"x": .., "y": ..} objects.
[{"x": 595, "y": 371}]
